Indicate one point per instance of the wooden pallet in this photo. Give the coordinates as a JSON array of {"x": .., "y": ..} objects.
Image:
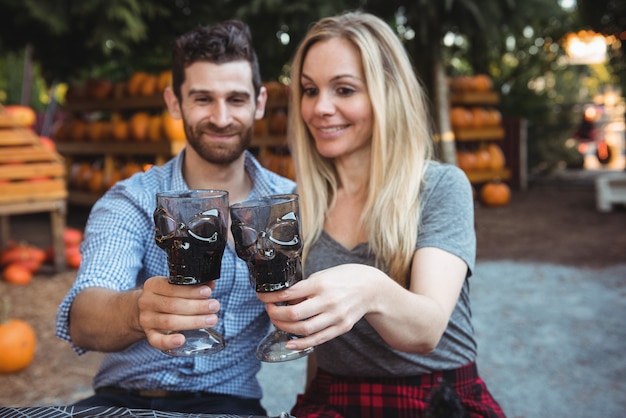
[{"x": 28, "y": 170}]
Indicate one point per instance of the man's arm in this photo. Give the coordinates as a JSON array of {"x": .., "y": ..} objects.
[{"x": 105, "y": 320}]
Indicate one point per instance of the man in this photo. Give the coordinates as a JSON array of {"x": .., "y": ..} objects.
[{"x": 122, "y": 304}]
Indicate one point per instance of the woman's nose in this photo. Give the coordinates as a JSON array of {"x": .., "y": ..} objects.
[{"x": 324, "y": 104}]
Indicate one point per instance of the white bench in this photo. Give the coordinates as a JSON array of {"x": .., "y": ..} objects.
[{"x": 610, "y": 190}]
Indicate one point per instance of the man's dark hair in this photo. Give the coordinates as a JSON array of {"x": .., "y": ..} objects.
[{"x": 220, "y": 43}]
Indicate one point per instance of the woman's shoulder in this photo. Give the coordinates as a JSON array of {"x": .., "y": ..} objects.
[{"x": 437, "y": 171}]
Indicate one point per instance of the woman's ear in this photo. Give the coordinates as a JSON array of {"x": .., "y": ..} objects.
[{"x": 173, "y": 105}]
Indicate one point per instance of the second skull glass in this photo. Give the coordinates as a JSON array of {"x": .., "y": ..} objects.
[
  {"x": 267, "y": 237},
  {"x": 191, "y": 226}
]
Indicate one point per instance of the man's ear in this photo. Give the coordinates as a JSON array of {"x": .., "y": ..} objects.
[
  {"x": 260, "y": 103},
  {"x": 173, "y": 105}
]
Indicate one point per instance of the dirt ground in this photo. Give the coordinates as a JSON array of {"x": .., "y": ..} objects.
[{"x": 555, "y": 223}]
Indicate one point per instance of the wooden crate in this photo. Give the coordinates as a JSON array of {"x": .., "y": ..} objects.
[
  {"x": 28, "y": 170},
  {"x": 32, "y": 179}
]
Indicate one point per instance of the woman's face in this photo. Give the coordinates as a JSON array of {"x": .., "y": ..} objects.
[{"x": 335, "y": 103}]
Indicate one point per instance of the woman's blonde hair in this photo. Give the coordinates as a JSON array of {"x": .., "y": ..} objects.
[{"x": 401, "y": 143}]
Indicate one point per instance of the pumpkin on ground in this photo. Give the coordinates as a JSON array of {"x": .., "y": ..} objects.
[
  {"x": 495, "y": 193},
  {"x": 18, "y": 274},
  {"x": 17, "y": 343}
]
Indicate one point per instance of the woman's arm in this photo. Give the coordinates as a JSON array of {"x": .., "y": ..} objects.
[{"x": 336, "y": 298}]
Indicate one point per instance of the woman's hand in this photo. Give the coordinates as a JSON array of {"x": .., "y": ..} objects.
[
  {"x": 325, "y": 305},
  {"x": 164, "y": 307}
]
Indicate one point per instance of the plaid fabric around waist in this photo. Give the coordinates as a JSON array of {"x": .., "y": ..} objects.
[{"x": 449, "y": 393}]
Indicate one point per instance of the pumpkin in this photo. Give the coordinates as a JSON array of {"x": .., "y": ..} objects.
[
  {"x": 134, "y": 83},
  {"x": 495, "y": 193},
  {"x": 73, "y": 257},
  {"x": 494, "y": 117},
  {"x": 154, "y": 128},
  {"x": 482, "y": 158},
  {"x": 466, "y": 160},
  {"x": 98, "y": 130},
  {"x": 96, "y": 181},
  {"x": 496, "y": 157},
  {"x": 78, "y": 130},
  {"x": 138, "y": 126},
  {"x": 72, "y": 236},
  {"x": 480, "y": 117},
  {"x": 164, "y": 80},
  {"x": 98, "y": 89},
  {"x": 48, "y": 143},
  {"x": 17, "y": 343},
  {"x": 481, "y": 83},
  {"x": 21, "y": 115},
  {"x": 120, "y": 129},
  {"x": 460, "y": 117},
  {"x": 149, "y": 85},
  {"x": 17, "y": 274},
  {"x": 173, "y": 129}
]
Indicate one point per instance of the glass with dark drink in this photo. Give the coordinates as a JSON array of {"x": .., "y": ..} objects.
[
  {"x": 191, "y": 226},
  {"x": 267, "y": 236}
]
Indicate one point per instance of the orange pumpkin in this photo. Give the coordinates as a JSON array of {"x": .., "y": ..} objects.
[
  {"x": 121, "y": 130},
  {"x": 482, "y": 158},
  {"x": 134, "y": 83},
  {"x": 479, "y": 117},
  {"x": 164, "y": 80},
  {"x": 72, "y": 236},
  {"x": 481, "y": 83},
  {"x": 495, "y": 194},
  {"x": 18, "y": 274},
  {"x": 149, "y": 85},
  {"x": 78, "y": 130},
  {"x": 139, "y": 126},
  {"x": 21, "y": 115},
  {"x": 496, "y": 157},
  {"x": 172, "y": 128},
  {"x": 96, "y": 181},
  {"x": 466, "y": 160},
  {"x": 155, "y": 133},
  {"x": 98, "y": 89},
  {"x": 17, "y": 345},
  {"x": 460, "y": 117}
]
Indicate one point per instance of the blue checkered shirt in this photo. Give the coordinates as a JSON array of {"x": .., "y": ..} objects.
[{"x": 119, "y": 253}]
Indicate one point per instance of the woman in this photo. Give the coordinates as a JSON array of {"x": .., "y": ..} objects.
[{"x": 389, "y": 237}]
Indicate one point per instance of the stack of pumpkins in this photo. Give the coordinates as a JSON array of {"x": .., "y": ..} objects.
[{"x": 139, "y": 126}]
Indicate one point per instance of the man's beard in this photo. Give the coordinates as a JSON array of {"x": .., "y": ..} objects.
[{"x": 217, "y": 153}]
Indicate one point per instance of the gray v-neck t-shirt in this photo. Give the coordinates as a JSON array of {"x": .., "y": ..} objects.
[{"x": 447, "y": 223}]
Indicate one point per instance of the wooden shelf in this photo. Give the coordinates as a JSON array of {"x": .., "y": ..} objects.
[
  {"x": 125, "y": 103},
  {"x": 482, "y": 176},
  {"x": 120, "y": 148},
  {"x": 479, "y": 134},
  {"x": 475, "y": 98}
]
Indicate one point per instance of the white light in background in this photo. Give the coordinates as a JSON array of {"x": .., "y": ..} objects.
[{"x": 585, "y": 47}]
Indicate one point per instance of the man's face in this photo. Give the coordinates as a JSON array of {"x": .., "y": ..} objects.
[{"x": 219, "y": 109}]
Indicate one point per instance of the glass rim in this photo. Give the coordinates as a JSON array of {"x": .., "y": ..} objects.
[
  {"x": 266, "y": 201},
  {"x": 192, "y": 193}
]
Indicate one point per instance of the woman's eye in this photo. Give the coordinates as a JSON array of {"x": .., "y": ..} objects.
[
  {"x": 309, "y": 91},
  {"x": 345, "y": 91}
]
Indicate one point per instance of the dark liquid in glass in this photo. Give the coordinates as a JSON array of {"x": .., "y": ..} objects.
[
  {"x": 278, "y": 273},
  {"x": 193, "y": 261}
]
